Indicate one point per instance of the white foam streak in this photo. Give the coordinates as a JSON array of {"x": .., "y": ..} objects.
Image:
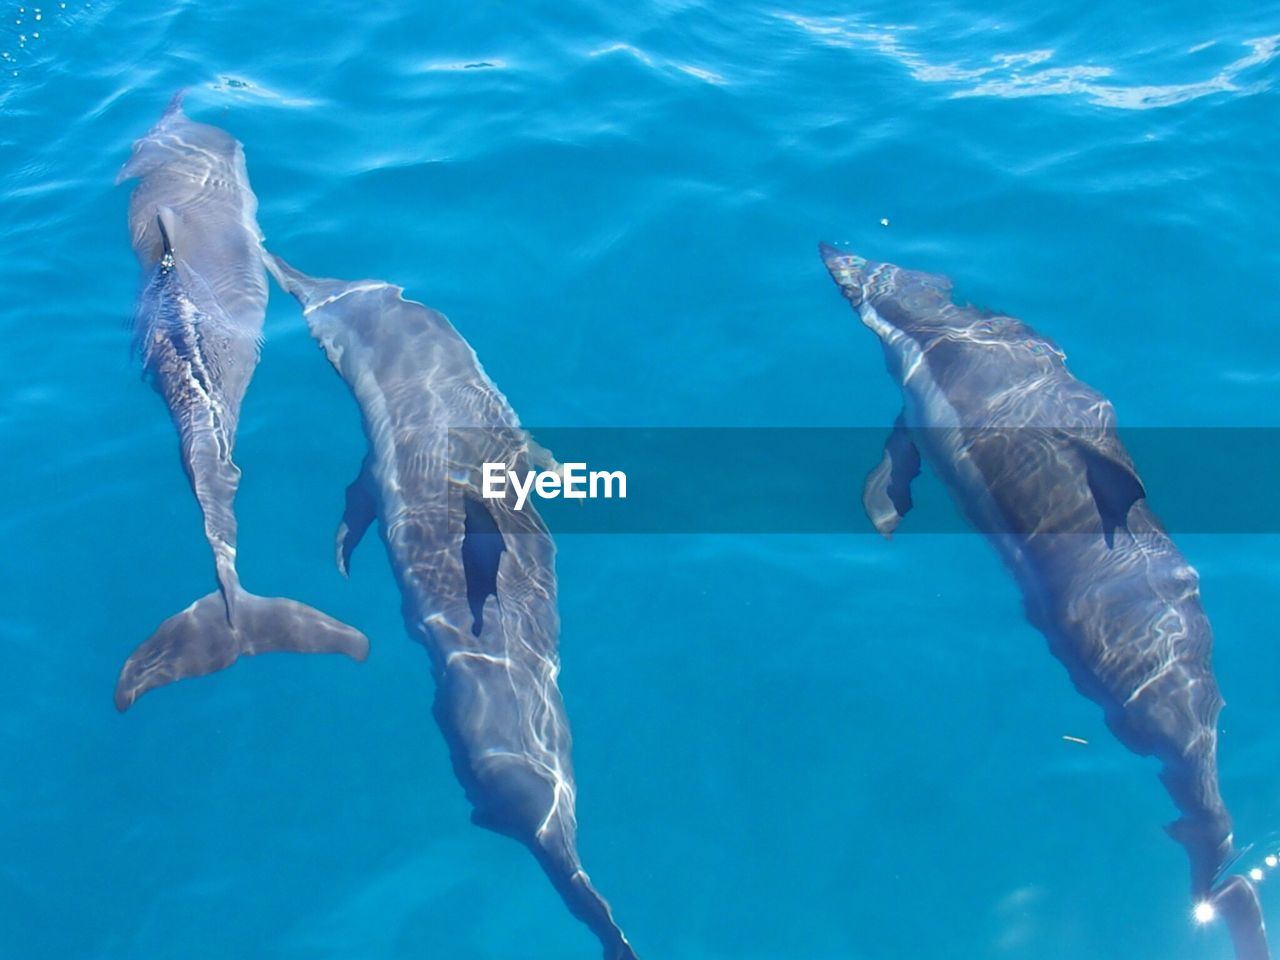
[
  {"x": 1029, "y": 73},
  {"x": 655, "y": 63}
]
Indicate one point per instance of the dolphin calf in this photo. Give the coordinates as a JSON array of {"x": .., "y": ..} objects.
[
  {"x": 197, "y": 329},
  {"x": 477, "y": 575},
  {"x": 1031, "y": 456}
]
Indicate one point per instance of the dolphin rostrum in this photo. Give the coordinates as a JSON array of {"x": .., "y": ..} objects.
[
  {"x": 477, "y": 575},
  {"x": 1031, "y": 456},
  {"x": 197, "y": 329}
]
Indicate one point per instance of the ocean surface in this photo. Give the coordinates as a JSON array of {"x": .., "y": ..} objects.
[{"x": 818, "y": 746}]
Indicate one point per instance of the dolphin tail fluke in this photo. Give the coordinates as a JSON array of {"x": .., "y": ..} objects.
[
  {"x": 1236, "y": 901},
  {"x": 202, "y": 639}
]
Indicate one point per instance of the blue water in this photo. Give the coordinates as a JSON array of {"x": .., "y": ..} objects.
[{"x": 787, "y": 747}]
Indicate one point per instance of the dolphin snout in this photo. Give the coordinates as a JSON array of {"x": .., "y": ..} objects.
[
  {"x": 848, "y": 270},
  {"x": 290, "y": 279}
]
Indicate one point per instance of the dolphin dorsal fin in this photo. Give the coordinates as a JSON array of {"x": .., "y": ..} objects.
[
  {"x": 166, "y": 222},
  {"x": 1114, "y": 485}
]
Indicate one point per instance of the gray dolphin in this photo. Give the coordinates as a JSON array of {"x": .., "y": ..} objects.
[
  {"x": 1031, "y": 456},
  {"x": 477, "y": 576},
  {"x": 197, "y": 328}
]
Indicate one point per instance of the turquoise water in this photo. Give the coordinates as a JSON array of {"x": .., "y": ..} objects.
[{"x": 786, "y": 746}]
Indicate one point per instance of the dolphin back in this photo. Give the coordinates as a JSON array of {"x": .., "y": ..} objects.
[
  {"x": 477, "y": 578},
  {"x": 197, "y": 330},
  {"x": 1031, "y": 456}
]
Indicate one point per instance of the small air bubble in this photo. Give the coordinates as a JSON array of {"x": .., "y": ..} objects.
[
  {"x": 884, "y": 221},
  {"x": 37, "y": 16}
]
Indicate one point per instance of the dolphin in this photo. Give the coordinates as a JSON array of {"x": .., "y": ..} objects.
[
  {"x": 1031, "y": 456},
  {"x": 477, "y": 576},
  {"x": 197, "y": 329}
]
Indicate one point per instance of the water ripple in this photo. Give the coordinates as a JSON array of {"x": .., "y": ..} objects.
[
  {"x": 1031, "y": 73},
  {"x": 656, "y": 62}
]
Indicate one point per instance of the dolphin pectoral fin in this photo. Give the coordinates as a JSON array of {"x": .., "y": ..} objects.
[
  {"x": 361, "y": 511},
  {"x": 541, "y": 457},
  {"x": 146, "y": 156},
  {"x": 200, "y": 640},
  {"x": 886, "y": 496},
  {"x": 1114, "y": 485}
]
